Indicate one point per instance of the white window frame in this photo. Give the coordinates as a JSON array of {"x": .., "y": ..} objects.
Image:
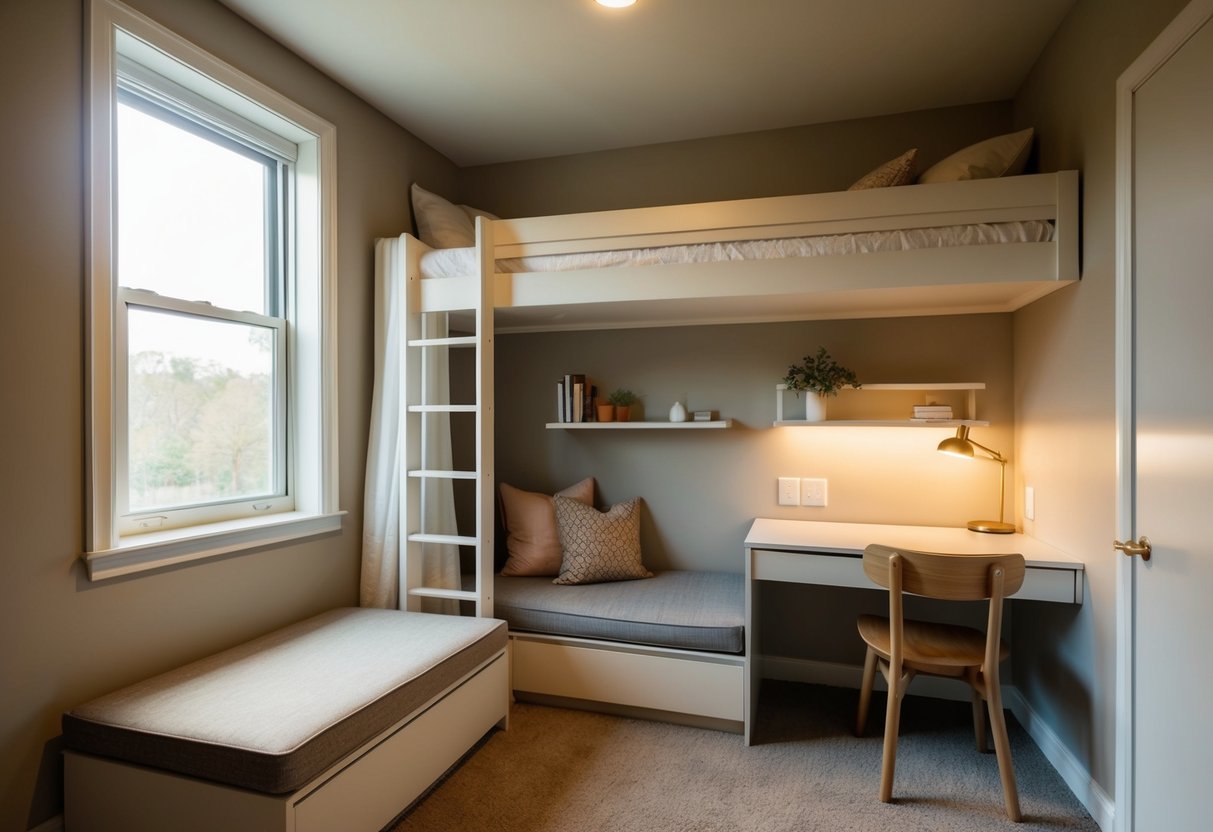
[{"x": 311, "y": 302}]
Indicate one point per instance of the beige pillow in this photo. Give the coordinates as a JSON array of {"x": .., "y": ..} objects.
[
  {"x": 530, "y": 524},
  {"x": 599, "y": 546},
  {"x": 999, "y": 156},
  {"x": 899, "y": 171},
  {"x": 441, "y": 223}
]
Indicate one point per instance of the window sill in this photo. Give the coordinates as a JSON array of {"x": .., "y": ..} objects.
[{"x": 155, "y": 550}]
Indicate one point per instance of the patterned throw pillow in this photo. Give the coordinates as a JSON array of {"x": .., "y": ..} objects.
[
  {"x": 599, "y": 546},
  {"x": 899, "y": 171}
]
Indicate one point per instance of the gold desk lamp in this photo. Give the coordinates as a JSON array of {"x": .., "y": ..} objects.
[{"x": 961, "y": 445}]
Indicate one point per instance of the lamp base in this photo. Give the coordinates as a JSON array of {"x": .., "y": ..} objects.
[{"x": 991, "y": 527}]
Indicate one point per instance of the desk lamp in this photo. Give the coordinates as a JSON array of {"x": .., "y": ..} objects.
[{"x": 961, "y": 445}]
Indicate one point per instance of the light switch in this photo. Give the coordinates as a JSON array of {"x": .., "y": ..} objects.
[
  {"x": 813, "y": 491},
  {"x": 1029, "y": 502},
  {"x": 789, "y": 491}
]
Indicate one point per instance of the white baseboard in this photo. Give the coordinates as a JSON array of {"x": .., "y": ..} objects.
[
  {"x": 1071, "y": 770},
  {"x": 54, "y": 824}
]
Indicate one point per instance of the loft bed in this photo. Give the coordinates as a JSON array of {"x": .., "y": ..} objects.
[
  {"x": 987, "y": 245},
  {"x": 973, "y": 246}
]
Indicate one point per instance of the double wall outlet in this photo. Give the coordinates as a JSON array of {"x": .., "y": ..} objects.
[{"x": 806, "y": 491}]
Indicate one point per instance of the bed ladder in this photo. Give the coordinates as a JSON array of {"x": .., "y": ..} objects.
[{"x": 414, "y": 447}]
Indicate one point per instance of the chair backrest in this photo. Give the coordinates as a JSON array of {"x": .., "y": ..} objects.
[{"x": 950, "y": 577}]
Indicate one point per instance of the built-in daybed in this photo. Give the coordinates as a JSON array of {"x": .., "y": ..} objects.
[
  {"x": 336, "y": 722},
  {"x": 990, "y": 245},
  {"x": 671, "y": 645}
]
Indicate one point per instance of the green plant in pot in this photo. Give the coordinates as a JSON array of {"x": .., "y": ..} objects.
[
  {"x": 622, "y": 400},
  {"x": 819, "y": 376}
]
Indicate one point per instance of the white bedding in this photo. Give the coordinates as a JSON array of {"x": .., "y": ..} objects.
[{"x": 455, "y": 262}]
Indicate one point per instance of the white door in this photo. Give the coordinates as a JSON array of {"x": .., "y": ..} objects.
[{"x": 1167, "y": 430}]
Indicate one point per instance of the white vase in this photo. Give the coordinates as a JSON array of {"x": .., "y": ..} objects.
[
  {"x": 678, "y": 413},
  {"x": 814, "y": 407}
]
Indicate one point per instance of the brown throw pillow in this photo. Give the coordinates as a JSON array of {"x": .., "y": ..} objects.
[
  {"x": 599, "y": 546},
  {"x": 530, "y": 524},
  {"x": 899, "y": 171}
]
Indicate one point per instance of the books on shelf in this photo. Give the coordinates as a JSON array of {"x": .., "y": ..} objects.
[
  {"x": 927, "y": 412},
  {"x": 576, "y": 399}
]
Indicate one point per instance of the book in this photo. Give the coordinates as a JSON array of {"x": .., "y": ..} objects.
[
  {"x": 933, "y": 411},
  {"x": 560, "y": 401}
]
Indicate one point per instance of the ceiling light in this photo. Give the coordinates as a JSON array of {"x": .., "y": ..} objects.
[{"x": 616, "y": 4}]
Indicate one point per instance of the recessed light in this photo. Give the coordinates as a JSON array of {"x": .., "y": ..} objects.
[{"x": 616, "y": 4}]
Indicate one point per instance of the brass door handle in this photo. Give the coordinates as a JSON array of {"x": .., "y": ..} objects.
[{"x": 1140, "y": 548}]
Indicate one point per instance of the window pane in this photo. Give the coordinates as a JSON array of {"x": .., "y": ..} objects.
[
  {"x": 192, "y": 215},
  {"x": 201, "y": 421}
]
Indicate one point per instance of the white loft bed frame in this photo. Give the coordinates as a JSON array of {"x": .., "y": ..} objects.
[
  {"x": 956, "y": 280},
  {"x": 940, "y": 281}
]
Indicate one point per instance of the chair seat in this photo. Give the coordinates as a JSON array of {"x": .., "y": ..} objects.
[{"x": 929, "y": 644}]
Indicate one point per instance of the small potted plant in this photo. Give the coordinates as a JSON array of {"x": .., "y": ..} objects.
[
  {"x": 622, "y": 401},
  {"x": 819, "y": 375}
]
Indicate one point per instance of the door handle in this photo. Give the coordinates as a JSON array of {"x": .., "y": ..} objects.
[{"x": 1140, "y": 548}]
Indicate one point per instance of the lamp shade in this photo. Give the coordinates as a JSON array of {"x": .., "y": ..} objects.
[{"x": 958, "y": 445}]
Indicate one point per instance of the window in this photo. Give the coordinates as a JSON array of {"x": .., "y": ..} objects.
[{"x": 212, "y": 409}]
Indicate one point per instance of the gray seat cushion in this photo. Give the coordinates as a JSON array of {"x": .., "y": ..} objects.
[
  {"x": 686, "y": 610},
  {"x": 272, "y": 714}
]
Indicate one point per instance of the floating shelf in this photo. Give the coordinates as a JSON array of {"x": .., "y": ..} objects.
[
  {"x": 883, "y": 423},
  {"x": 717, "y": 424},
  {"x": 969, "y": 410}
]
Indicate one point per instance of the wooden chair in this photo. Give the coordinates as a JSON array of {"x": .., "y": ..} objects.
[{"x": 902, "y": 649}]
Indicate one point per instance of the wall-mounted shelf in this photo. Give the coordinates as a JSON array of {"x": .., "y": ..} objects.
[
  {"x": 716, "y": 424},
  {"x": 966, "y": 389}
]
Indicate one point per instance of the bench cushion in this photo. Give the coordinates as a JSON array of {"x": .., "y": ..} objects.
[
  {"x": 682, "y": 609},
  {"x": 272, "y": 714}
]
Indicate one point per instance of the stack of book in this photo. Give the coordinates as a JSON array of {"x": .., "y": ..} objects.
[
  {"x": 931, "y": 412},
  {"x": 576, "y": 399}
]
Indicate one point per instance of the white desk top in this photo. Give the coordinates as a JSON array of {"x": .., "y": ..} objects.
[{"x": 853, "y": 538}]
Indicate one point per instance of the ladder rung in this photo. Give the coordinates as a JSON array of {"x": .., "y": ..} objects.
[
  {"x": 434, "y": 592},
  {"x": 453, "y": 341},
  {"x": 442, "y": 408},
  {"x": 453, "y": 539},
  {"x": 444, "y": 475}
]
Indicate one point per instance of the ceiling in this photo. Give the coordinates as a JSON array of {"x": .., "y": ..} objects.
[{"x": 486, "y": 81}]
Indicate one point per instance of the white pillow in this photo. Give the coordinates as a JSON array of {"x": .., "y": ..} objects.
[
  {"x": 441, "y": 224},
  {"x": 1000, "y": 156},
  {"x": 476, "y": 212}
]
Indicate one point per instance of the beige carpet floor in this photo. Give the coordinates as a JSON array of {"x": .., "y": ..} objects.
[{"x": 558, "y": 770}]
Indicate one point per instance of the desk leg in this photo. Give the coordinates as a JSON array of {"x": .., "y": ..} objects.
[{"x": 753, "y": 671}]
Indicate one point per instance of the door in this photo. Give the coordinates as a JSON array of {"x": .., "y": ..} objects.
[{"x": 1166, "y": 381}]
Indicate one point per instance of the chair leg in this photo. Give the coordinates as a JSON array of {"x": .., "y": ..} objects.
[
  {"x": 865, "y": 692},
  {"x": 979, "y": 720},
  {"x": 1002, "y": 748},
  {"x": 891, "y": 720}
]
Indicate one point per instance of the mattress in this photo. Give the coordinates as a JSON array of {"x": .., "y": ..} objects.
[
  {"x": 688, "y": 610},
  {"x": 272, "y": 714},
  {"x": 457, "y": 262}
]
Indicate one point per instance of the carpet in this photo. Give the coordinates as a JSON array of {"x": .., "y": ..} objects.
[{"x": 560, "y": 770}]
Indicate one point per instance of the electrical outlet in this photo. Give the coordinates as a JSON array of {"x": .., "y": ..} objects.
[
  {"x": 789, "y": 491},
  {"x": 813, "y": 491},
  {"x": 1029, "y": 502}
]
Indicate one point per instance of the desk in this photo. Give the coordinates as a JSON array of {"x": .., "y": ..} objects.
[{"x": 831, "y": 554}]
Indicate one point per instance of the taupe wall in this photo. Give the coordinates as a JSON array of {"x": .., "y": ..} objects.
[
  {"x": 797, "y": 160},
  {"x": 701, "y": 489},
  {"x": 66, "y": 640},
  {"x": 1064, "y": 382}
]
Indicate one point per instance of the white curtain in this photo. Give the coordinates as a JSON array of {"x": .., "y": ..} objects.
[{"x": 381, "y": 550}]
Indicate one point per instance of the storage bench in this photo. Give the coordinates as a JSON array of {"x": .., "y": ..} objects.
[
  {"x": 670, "y": 646},
  {"x": 337, "y": 722}
]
